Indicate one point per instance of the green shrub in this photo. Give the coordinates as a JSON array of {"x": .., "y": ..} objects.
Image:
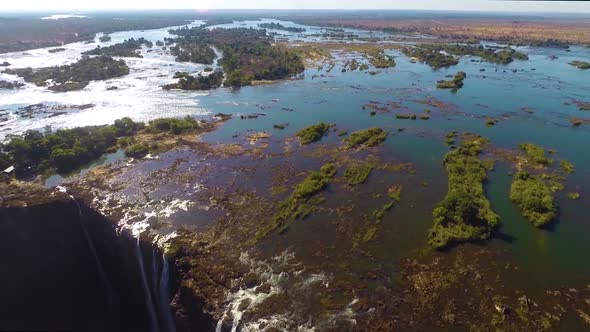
[
  {"x": 313, "y": 133},
  {"x": 137, "y": 151},
  {"x": 567, "y": 167},
  {"x": 535, "y": 153},
  {"x": 465, "y": 214},
  {"x": 369, "y": 137},
  {"x": 301, "y": 201},
  {"x": 534, "y": 198},
  {"x": 357, "y": 174}
]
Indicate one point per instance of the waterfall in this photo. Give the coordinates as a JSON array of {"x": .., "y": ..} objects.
[
  {"x": 168, "y": 321},
  {"x": 103, "y": 276},
  {"x": 148, "y": 298},
  {"x": 154, "y": 276}
]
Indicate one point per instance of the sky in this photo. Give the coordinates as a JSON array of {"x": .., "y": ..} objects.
[{"x": 469, "y": 5}]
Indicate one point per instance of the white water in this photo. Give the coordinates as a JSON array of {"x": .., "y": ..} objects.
[
  {"x": 139, "y": 94},
  {"x": 146, "y": 289},
  {"x": 166, "y": 314},
  {"x": 103, "y": 276}
]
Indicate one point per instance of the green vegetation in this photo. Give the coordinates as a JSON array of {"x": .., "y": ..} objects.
[
  {"x": 75, "y": 76},
  {"x": 301, "y": 201},
  {"x": 127, "y": 49},
  {"x": 313, "y": 133},
  {"x": 64, "y": 150},
  {"x": 443, "y": 55},
  {"x": 172, "y": 125},
  {"x": 379, "y": 213},
  {"x": 280, "y": 126},
  {"x": 567, "y": 167},
  {"x": 456, "y": 83},
  {"x": 194, "y": 53},
  {"x": 137, "y": 151},
  {"x": 279, "y": 26},
  {"x": 535, "y": 153},
  {"x": 358, "y": 174},
  {"x": 368, "y": 137},
  {"x": 433, "y": 58},
  {"x": 104, "y": 38},
  {"x": 534, "y": 198},
  {"x": 248, "y": 54},
  {"x": 580, "y": 64},
  {"x": 10, "y": 85},
  {"x": 378, "y": 59},
  {"x": 395, "y": 193},
  {"x": 68, "y": 149},
  {"x": 406, "y": 116},
  {"x": 56, "y": 50},
  {"x": 574, "y": 196},
  {"x": 465, "y": 213},
  {"x": 189, "y": 82}
]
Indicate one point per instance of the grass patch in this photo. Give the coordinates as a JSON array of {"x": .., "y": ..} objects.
[
  {"x": 567, "y": 167},
  {"x": 574, "y": 196},
  {"x": 534, "y": 198},
  {"x": 535, "y": 153},
  {"x": 368, "y": 137},
  {"x": 455, "y": 84},
  {"x": 357, "y": 174},
  {"x": 301, "y": 202},
  {"x": 465, "y": 213},
  {"x": 313, "y": 133}
]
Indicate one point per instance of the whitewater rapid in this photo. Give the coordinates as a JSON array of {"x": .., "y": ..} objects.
[{"x": 138, "y": 95}]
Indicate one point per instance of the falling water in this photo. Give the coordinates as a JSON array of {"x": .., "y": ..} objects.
[
  {"x": 168, "y": 322},
  {"x": 103, "y": 276},
  {"x": 146, "y": 289},
  {"x": 154, "y": 276}
]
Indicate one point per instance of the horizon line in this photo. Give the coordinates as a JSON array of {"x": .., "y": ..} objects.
[{"x": 205, "y": 10}]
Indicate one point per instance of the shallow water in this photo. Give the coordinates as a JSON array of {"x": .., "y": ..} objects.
[{"x": 547, "y": 86}]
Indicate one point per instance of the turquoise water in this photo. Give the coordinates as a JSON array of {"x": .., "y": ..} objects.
[{"x": 548, "y": 87}]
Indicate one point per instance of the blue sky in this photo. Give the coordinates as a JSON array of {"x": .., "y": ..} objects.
[{"x": 483, "y": 5}]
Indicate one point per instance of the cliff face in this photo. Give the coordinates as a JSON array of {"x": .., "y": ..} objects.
[{"x": 66, "y": 268}]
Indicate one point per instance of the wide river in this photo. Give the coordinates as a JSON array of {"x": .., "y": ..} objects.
[{"x": 532, "y": 100}]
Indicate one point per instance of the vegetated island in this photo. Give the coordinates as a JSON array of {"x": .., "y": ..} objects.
[
  {"x": 209, "y": 81},
  {"x": 6, "y": 85},
  {"x": 75, "y": 76},
  {"x": 104, "y": 38},
  {"x": 313, "y": 133},
  {"x": 248, "y": 54},
  {"x": 126, "y": 49},
  {"x": 455, "y": 84},
  {"x": 465, "y": 214},
  {"x": 279, "y": 26},
  {"x": 190, "y": 52},
  {"x": 580, "y": 64},
  {"x": 444, "y": 55},
  {"x": 534, "y": 198}
]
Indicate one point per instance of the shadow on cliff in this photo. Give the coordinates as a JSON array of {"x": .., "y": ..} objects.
[{"x": 66, "y": 268}]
